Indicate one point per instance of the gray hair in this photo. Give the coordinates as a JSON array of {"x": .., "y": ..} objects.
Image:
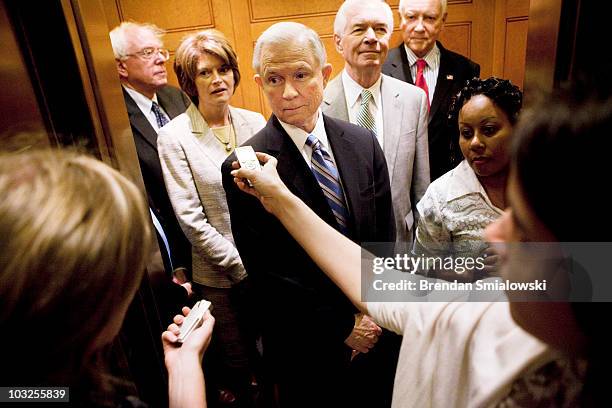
[
  {"x": 286, "y": 33},
  {"x": 340, "y": 21},
  {"x": 443, "y": 6},
  {"x": 120, "y": 35}
]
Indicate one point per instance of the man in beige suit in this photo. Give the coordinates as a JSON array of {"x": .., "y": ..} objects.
[{"x": 398, "y": 111}]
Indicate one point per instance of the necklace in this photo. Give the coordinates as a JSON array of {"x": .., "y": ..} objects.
[{"x": 226, "y": 135}]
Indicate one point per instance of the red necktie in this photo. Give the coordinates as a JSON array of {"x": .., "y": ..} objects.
[{"x": 420, "y": 78}]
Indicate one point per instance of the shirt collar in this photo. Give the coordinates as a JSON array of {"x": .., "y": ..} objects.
[
  {"x": 463, "y": 181},
  {"x": 352, "y": 90},
  {"x": 430, "y": 57},
  {"x": 142, "y": 101},
  {"x": 299, "y": 136}
]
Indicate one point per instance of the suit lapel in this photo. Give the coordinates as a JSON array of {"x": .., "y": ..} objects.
[
  {"x": 392, "y": 111},
  {"x": 344, "y": 153},
  {"x": 405, "y": 65},
  {"x": 291, "y": 164},
  {"x": 242, "y": 127},
  {"x": 444, "y": 83},
  {"x": 206, "y": 140},
  {"x": 139, "y": 122},
  {"x": 335, "y": 99},
  {"x": 294, "y": 171},
  {"x": 169, "y": 103}
]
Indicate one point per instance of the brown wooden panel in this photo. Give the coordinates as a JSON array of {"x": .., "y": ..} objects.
[
  {"x": 172, "y": 15},
  {"x": 474, "y": 28},
  {"x": 262, "y": 10},
  {"x": 517, "y": 8},
  {"x": 111, "y": 12},
  {"x": 457, "y": 37},
  {"x": 510, "y": 39},
  {"x": 515, "y": 50}
]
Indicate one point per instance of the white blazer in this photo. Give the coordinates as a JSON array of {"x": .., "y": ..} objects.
[{"x": 191, "y": 158}]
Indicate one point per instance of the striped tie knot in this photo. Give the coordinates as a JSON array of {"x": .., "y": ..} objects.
[
  {"x": 160, "y": 117},
  {"x": 364, "y": 116},
  {"x": 326, "y": 173},
  {"x": 366, "y": 95},
  {"x": 315, "y": 145}
]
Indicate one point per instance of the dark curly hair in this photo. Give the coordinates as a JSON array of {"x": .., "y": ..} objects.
[{"x": 503, "y": 93}]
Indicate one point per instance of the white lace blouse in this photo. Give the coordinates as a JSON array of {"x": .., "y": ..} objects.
[{"x": 454, "y": 210}]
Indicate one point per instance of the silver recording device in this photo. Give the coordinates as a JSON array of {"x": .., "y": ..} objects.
[
  {"x": 248, "y": 159},
  {"x": 193, "y": 320}
]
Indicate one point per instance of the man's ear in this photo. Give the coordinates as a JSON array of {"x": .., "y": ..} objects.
[
  {"x": 337, "y": 40},
  {"x": 326, "y": 71},
  {"x": 258, "y": 80},
  {"x": 122, "y": 69}
]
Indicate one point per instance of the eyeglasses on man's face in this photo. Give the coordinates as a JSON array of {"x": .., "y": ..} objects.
[{"x": 150, "y": 52}]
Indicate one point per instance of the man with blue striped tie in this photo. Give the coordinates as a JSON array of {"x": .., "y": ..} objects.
[{"x": 309, "y": 329}]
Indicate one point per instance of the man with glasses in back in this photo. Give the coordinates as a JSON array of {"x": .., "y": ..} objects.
[{"x": 151, "y": 103}]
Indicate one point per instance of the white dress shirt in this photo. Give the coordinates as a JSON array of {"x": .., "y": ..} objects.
[
  {"x": 145, "y": 105},
  {"x": 352, "y": 93},
  {"x": 430, "y": 72},
  {"x": 299, "y": 137}
]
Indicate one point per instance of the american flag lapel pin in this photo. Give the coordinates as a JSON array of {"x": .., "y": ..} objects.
[{"x": 450, "y": 77}]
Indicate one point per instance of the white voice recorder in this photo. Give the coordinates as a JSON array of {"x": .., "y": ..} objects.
[
  {"x": 247, "y": 159},
  {"x": 193, "y": 320}
]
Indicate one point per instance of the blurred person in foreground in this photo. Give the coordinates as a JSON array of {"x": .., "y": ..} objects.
[{"x": 75, "y": 234}]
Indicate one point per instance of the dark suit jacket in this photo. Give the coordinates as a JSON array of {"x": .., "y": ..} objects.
[
  {"x": 304, "y": 315},
  {"x": 455, "y": 70},
  {"x": 174, "y": 102}
]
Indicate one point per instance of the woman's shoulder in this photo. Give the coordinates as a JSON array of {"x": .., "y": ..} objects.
[
  {"x": 179, "y": 122},
  {"x": 453, "y": 184},
  {"x": 248, "y": 114}
]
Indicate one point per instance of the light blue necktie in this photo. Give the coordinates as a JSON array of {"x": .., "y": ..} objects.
[
  {"x": 160, "y": 116},
  {"x": 161, "y": 233},
  {"x": 326, "y": 174}
]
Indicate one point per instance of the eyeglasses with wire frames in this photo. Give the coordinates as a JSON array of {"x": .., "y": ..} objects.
[{"x": 150, "y": 52}]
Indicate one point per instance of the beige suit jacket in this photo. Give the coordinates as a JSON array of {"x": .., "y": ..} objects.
[
  {"x": 191, "y": 159},
  {"x": 405, "y": 145}
]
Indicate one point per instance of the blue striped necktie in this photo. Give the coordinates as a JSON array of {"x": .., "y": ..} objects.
[
  {"x": 326, "y": 174},
  {"x": 159, "y": 115}
]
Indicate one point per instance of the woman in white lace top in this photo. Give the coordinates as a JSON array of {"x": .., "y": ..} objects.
[{"x": 458, "y": 206}]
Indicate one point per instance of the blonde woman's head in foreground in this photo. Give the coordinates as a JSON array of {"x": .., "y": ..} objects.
[{"x": 74, "y": 234}]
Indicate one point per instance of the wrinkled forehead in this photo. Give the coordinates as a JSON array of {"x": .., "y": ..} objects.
[
  {"x": 140, "y": 38},
  {"x": 288, "y": 55},
  {"x": 366, "y": 13},
  {"x": 421, "y": 6}
]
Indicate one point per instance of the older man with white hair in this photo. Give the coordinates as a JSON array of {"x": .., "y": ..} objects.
[
  {"x": 423, "y": 61},
  {"x": 394, "y": 110},
  {"x": 151, "y": 103},
  {"x": 309, "y": 329},
  {"x": 397, "y": 113}
]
